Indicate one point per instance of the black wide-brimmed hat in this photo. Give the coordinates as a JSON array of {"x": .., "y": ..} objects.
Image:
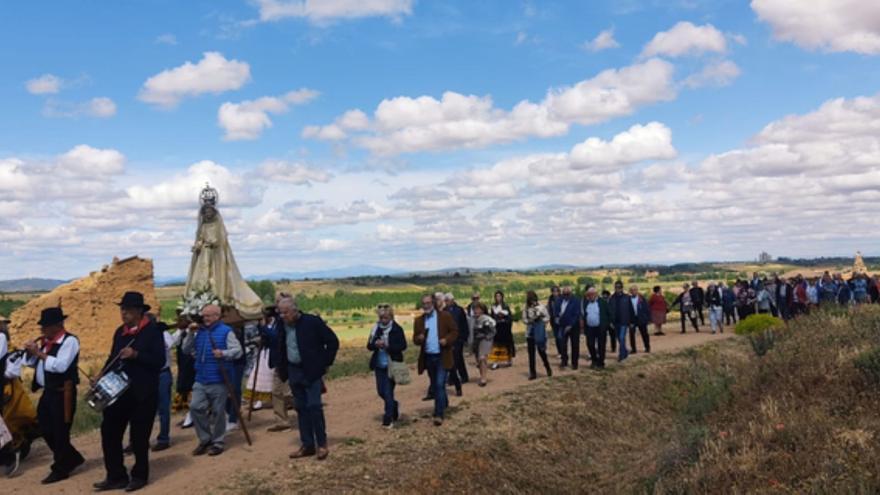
[
  {"x": 51, "y": 316},
  {"x": 134, "y": 300}
]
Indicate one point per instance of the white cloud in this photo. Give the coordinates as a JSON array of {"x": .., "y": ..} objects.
[
  {"x": 166, "y": 39},
  {"x": 603, "y": 41},
  {"x": 829, "y": 25},
  {"x": 291, "y": 173},
  {"x": 101, "y": 108},
  {"x": 641, "y": 142},
  {"x": 716, "y": 73},
  {"x": 181, "y": 190},
  {"x": 89, "y": 161},
  {"x": 322, "y": 11},
  {"x": 248, "y": 119},
  {"x": 686, "y": 39},
  {"x": 45, "y": 84},
  {"x": 212, "y": 74},
  {"x": 407, "y": 125}
]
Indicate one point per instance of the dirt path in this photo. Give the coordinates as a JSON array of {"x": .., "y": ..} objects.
[{"x": 353, "y": 415}]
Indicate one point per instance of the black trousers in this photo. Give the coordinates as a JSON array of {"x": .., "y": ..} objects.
[
  {"x": 459, "y": 373},
  {"x": 531, "y": 347},
  {"x": 573, "y": 339},
  {"x": 698, "y": 307},
  {"x": 729, "y": 315},
  {"x": 684, "y": 317},
  {"x": 646, "y": 339},
  {"x": 612, "y": 338},
  {"x": 596, "y": 345},
  {"x": 128, "y": 412},
  {"x": 56, "y": 432}
]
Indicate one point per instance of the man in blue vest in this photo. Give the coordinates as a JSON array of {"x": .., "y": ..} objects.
[
  {"x": 213, "y": 345},
  {"x": 56, "y": 359}
]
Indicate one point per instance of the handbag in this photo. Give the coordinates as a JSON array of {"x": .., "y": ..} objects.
[{"x": 399, "y": 372}]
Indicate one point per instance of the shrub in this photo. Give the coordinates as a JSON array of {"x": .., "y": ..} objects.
[
  {"x": 758, "y": 323},
  {"x": 868, "y": 363},
  {"x": 761, "y": 330}
]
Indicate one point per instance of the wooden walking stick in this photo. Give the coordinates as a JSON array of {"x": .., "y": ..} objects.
[
  {"x": 254, "y": 388},
  {"x": 229, "y": 390}
]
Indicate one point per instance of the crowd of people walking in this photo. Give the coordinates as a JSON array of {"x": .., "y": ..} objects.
[{"x": 284, "y": 359}]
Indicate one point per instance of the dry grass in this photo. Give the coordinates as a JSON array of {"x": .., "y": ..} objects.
[{"x": 718, "y": 419}]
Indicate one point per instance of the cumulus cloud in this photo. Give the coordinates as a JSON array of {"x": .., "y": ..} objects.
[
  {"x": 829, "y": 25},
  {"x": 603, "y": 41},
  {"x": 717, "y": 73},
  {"x": 45, "y": 84},
  {"x": 322, "y": 11},
  {"x": 100, "y": 107},
  {"x": 641, "y": 142},
  {"x": 291, "y": 173},
  {"x": 86, "y": 160},
  {"x": 212, "y": 74},
  {"x": 407, "y": 125},
  {"x": 248, "y": 119},
  {"x": 686, "y": 39},
  {"x": 181, "y": 190}
]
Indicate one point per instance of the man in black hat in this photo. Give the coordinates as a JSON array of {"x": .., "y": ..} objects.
[
  {"x": 140, "y": 348},
  {"x": 56, "y": 359}
]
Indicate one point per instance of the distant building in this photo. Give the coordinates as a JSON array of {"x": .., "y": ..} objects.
[{"x": 764, "y": 257}]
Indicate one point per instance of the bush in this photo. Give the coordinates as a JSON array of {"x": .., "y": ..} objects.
[
  {"x": 758, "y": 323},
  {"x": 868, "y": 363}
]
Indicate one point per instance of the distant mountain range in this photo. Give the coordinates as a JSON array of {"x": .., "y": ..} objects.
[{"x": 30, "y": 284}]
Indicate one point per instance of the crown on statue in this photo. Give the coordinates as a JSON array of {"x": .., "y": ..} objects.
[{"x": 209, "y": 196}]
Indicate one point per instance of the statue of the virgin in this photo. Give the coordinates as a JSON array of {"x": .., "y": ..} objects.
[{"x": 213, "y": 268}]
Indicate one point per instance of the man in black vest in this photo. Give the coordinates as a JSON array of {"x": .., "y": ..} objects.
[
  {"x": 56, "y": 359},
  {"x": 140, "y": 348}
]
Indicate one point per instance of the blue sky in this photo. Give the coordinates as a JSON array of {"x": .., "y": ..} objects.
[{"x": 325, "y": 126}]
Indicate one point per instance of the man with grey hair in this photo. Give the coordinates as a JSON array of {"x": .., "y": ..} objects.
[
  {"x": 458, "y": 375},
  {"x": 595, "y": 318},
  {"x": 307, "y": 348},
  {"x": 214, "y": 346}
]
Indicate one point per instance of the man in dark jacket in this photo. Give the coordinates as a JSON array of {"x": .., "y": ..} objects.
[
  {"x": 621, "y": 316},
  {"x": 784, "y": 298},
  {"x": 459, "y": 374},
  {"x": 641, "y": 317},
  {"x": 595, "y": 319},
  {"x": 138, "y": 350},
  {"x": 698, "y": 297},
  {"x": 307, "y": 348},
  {"x": 568, "y": 328}
]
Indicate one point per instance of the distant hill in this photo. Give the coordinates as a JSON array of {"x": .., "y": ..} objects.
[
  {"x": 345, "y": 272},
  {"x": 30, "y": 285}
]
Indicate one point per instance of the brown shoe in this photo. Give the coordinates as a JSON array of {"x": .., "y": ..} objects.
[
  {"x": 302, "y": 452},
  {"x": 277, "y": 428},
  {"x": 323, "y": 453}
]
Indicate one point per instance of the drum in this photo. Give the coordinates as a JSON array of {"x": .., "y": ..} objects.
[{"x": 108, "y": 389}]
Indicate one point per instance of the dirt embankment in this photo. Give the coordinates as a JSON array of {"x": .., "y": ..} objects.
[{"x": 90, "y": 303}]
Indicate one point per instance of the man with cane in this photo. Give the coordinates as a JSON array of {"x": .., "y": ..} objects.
[
  {"x": 138, "y": 350},
  {"x": 214, "y": 346}
]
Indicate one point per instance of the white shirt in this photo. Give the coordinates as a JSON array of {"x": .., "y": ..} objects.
[
  {"x": 169, "y": 344},
  {"x": 592, "y": 311},
  {"x": 635, "y": 303},
  {"x": 55, "y": 364}
]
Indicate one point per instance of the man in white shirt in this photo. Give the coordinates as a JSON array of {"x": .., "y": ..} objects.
[{"x": 56, "y": 359}]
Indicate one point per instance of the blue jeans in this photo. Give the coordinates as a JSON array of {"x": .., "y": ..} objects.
[
  {"x": 385, "y": 389},
  {"x": 622, "y": 330},
  {"x": 164, "y": 407},
  {"x": 437, "y": 373},
  {"x": 236, "y": 378},
  {"x": 309, "y": 410}
]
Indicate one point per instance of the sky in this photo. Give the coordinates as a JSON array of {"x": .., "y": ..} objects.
[{"x": 417, "y": 134}]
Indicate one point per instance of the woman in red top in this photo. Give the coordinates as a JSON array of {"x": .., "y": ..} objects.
[{"x": 659, "y": 308}]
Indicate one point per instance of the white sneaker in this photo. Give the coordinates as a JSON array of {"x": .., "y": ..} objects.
[
  {"x": 231, "y": 426},
  {"x": 258, "y": 405},
  {"x": 187, "y": 421}
]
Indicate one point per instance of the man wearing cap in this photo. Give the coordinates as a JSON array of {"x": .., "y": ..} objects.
[
  {"x": 55, "y": 358},
  {"x": 138, "y": 350}
]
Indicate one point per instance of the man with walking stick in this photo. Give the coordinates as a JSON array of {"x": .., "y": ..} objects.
[{"x": 214, "y": 346}]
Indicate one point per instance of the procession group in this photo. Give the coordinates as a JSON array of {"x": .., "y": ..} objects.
[{"x": 289, "y": 353}]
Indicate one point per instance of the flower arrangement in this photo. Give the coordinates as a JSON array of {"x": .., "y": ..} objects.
[{"x": 192, "y": 304}]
